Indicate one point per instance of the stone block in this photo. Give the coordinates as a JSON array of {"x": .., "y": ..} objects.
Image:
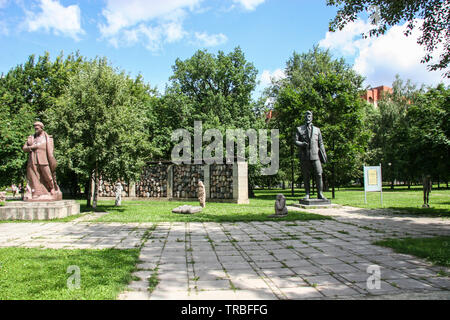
[
  {"x": 186, "y": 209},
  {"x": 28, "y": 211}
]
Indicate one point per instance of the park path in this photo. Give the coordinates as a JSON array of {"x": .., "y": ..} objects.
[{"x": 321, "y": 259}]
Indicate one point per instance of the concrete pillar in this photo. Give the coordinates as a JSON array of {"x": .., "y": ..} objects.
[
  {"x": 207, "y": 180},
  {"x": 240, "y": 182},
  {"x": 132, "y": 189}
]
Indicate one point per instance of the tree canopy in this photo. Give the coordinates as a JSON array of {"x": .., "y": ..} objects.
[
  {"x": 26, "y": 91},
  {"x": 385, "y": 13},
  {"x": 214, "y": 89},
  {"x": 107, "y": 124},
  {"x": 99, "y": 124},
  {"x": 410, "y": 132},
  {"x": 331, "y": 90}
]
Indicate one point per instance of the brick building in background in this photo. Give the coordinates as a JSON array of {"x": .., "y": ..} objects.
[{"x": 373, "y": 95}]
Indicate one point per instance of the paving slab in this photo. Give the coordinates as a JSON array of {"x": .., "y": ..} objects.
[
  {"x": 301, "y": 293},
  {"x": 260, "y": 260}
]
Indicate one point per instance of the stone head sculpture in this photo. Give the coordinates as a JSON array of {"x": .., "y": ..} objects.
[
  {"x": 308, "y": 117},
  {"x": 38, "y": 127},
  {"x": 280, "y": 205}
]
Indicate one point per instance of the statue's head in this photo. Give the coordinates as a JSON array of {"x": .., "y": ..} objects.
[
  {"x": 38, "y": 127},
  {"x": 280, "y": 196},
  {"x": 200, "y": 183},
  {"x": 308, "y": 117}
]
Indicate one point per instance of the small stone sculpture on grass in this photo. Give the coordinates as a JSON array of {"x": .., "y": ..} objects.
[
  {"x": 201, "y": 194},
  {"x": 187, "y": 209},
  {"x": 118, "y": 191},
  {"x": 280, "y": 207}
]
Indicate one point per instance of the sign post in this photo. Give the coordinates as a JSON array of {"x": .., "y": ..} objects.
[{"x": 373, "y": 181}]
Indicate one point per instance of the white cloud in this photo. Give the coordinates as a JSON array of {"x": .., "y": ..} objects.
[
  {"x": 57, "y": 18},
  {"x": 152, "y": 22},
  {"x": 249, "y": 5},
  {"x": 121, "y": 14},
  {"x": 267, "y": 77},
  {"x": 156, "y": 22},
  {"x": 347, "y": 41},
  {"x": 210, "y": 40},
  {"x": 380, "y": 58}
]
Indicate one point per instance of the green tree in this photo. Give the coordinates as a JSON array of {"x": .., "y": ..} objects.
[
  {"x": 385, "y": 13},
  {"x": 215, "y": 89},
  {"x": 99, "y": 125},
  {"x": 429, "y": 134},
  {"x": 26, "y": 91},
  {"x": 331, "y": 90},
  {"x": 14, "y": 130},
  {"x": 218, "y": 88},
  {"x": 391, "y": 131}
]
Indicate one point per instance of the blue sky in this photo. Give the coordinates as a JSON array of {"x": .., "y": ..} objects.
[{"x": 146, "y": 36}]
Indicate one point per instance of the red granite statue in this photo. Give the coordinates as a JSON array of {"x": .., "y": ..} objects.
[{"x": 41, "y": 167}]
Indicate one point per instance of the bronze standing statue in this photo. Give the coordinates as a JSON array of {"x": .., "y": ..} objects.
[
  {"x": 312, "y": 154},
  {"x": 427, "y": 184},
  {"x": 41, "y": 167}
]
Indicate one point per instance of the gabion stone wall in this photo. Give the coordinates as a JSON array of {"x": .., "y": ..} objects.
[
  {"x": 221, "y": 181},
  {"x": 153, "y": 182},
  {"x": 185, "y": 180},
  {"x": 106, "y": 189}
]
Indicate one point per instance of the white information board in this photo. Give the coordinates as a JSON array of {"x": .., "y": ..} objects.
[{"x": 373, "y": 181}]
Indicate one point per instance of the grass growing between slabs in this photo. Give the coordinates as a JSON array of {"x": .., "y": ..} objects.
[
  {"x": 42, "y": 274},
  {"x": 161, "y": 211},
  {"x": 436, "y": 249}
]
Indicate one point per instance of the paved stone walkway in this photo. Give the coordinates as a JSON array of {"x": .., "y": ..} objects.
[{"x": 326, "y": 259}]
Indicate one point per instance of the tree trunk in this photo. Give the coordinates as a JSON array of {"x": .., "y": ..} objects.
[
  {"x": 87, "y": 191},
  {"x": 292, "y": 170},
  {"x": 333, "y": 195},
  {"x": 251, "y": 192},
  {"x": 325, "y": 183},
  {"x": 74, "y": 190},
  {"x": 94, "y": 200}
]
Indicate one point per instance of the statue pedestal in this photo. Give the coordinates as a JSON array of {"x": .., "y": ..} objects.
[
  {"x": 315, "y": 204},
  {"x": 28, "y": 211},
  {"x": 44, "y": 198}
]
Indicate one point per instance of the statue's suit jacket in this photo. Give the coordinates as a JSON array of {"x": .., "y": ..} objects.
[
  {"x": 315, "y": 149},
  {"x": 43, "y": 155}
]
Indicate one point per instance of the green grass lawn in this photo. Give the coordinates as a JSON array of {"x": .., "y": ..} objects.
[
  {"x": 401, "y": 199},
  {"x": 404, "y": 201},
  {"x": 158, "y": 211},
  {"x": 41, "y": 274},
  {"x": 435, "y": 250}
]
